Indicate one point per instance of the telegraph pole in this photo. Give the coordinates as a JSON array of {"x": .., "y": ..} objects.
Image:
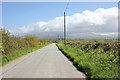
[
  {"x": 64, "y": 29},
  {"x": 65, "y": 23}
]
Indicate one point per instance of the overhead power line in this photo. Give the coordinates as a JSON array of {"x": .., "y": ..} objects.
[{"x": 67, "y": 6}]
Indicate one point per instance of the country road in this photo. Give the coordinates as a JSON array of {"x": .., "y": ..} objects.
[{"x": 47, "y": 62}]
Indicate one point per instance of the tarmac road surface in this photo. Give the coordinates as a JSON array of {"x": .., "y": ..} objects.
[{"x": 47, "y": 62}]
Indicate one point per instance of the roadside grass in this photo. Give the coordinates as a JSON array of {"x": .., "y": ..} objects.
[
  {"x": 13, "y": 47},
  {"x": 19, "y": 53},
  {"x": 0, "y": 45},
  {"x": 94, "y": 63}
]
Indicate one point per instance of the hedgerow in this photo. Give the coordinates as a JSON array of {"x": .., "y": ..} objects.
[
  {"x": 15, "y": 46},
  {"x": 97, "y": 59}
]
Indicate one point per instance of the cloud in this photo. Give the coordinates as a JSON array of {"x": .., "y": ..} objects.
[{"x": 101, "y": 22}]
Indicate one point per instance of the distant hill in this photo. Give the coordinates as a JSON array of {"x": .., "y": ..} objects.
[{"x": 45, "y": 36}]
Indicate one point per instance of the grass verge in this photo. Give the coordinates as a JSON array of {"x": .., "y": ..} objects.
[
  {"x": 94, "y": 63},
  {"x": 19, "y": 53}
]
